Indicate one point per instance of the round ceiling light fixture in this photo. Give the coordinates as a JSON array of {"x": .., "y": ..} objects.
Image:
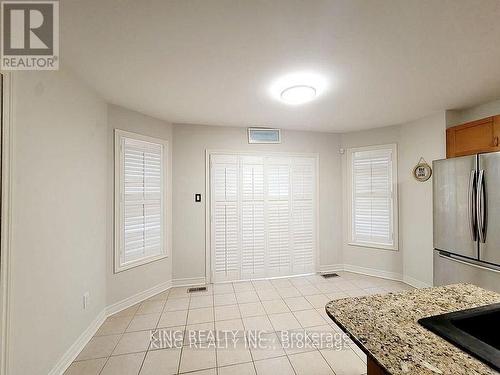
[
  {"x": 298, "y": 94},
  {"x": 298, "y": 88}
]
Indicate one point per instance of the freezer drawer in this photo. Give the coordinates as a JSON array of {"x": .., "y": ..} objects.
[
  {"x": 453, "y": 188},
  {"x": 489, "y": 215}
]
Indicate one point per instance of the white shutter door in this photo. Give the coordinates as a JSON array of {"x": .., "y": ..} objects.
[
  {"x": 278, "y": 216},
  {"x": 225, "y": 218},
  {"x": 372, "y": 197},
  {"x": 253, "y": 246},
  {"x": 303, "y": 215},
  {"x": 142, "y": 200}
]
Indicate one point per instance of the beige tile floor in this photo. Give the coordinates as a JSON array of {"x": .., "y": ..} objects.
[{"x": 122, "y": 344}]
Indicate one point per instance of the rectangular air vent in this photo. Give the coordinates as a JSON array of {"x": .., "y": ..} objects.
[
  {"x": 197, "y": 289},
  {"x": 329, "y": 275}
]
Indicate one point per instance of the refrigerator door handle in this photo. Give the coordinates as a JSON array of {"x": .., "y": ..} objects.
[
  {"x": 472, "y": 205},
  {"x": 481, "y": 207}
]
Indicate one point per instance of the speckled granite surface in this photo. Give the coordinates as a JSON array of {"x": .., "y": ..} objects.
[{"x": 385, "y": 326}]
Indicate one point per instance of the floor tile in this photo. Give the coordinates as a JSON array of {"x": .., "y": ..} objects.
[
  {"x": 234, "y": 325},
  {"x": 173, "y": 318},
  {"x": 247, "y": 297},
  {"x": 128, "y": 364},
  {"x": 281, "y": 283},
  {"x": 151, "y": 307},
  {"x": 180, "y": 292},
  {"x": 252, "y": 309},
  {"x": 164, "y": 362},
  {"x": 193, "y": 359},
  {"x": 317, "y": 300},
  {"x": 160, "y": 296},
  {"x": 275, "y": 306},
  {"x": 288, "y": 292},
  {"x": 297, "y": 303},
  {"x": 241, "y": 369},
  {"x": 114, "y": 325},
  {"x": 203, "y": 315},
  {"x": 177, "y": 304},
  {"x": 143, "y": 322},
  {"x": 201, "y": 301},
  {"x": 344, "y": 362},
  {"x": 310, "y": 363},
  {"x": 99, "y": 347},
  {"x": 268, "y": 346},
  {"x": 225, "y": 299},
  {"x": 258, "y": 323},
  {"x": 284, "y": 321},
  {"x": 262, "y": 284},
  {"x": 169, "y": 337},
  {"x": 211, "y": 371},
  {"x": 88, "y": 367},
  {"x": 225, "y": 288},
  {"x": 274, "y": 366},
  {"x": 227, "y": 312},
  {"x": 232, "y": 352},
  {"x": 309, "y": 318},
  {"x": 133, "y": 342},
  {"x": 197, "y": 333},
  {"x": 130, "y": 311},
  {"x": 308, "y": 290},
  {"x": 268, "y": 294},
  {"x": 243, "y": 286}
]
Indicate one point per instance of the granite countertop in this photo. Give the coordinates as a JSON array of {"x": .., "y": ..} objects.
[{"x": 385, "y": 327}]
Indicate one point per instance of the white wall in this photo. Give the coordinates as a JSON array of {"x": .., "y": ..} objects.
[
  {"x": 422, "y": 138},
  {"x": 58, "y": 219},
  {"x": 135, "y": 280},
  {"x": 190, "y": 143},
  {"x": 426, "y": 138},
  {"x": 456, "y": 117}
]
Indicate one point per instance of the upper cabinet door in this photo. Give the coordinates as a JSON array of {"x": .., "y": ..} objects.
[{"x": 473, "y": 138}]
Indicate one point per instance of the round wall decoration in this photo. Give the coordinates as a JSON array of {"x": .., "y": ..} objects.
[{"x": 422, "y": 171}]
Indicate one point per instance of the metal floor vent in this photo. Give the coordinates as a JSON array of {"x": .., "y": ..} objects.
[
  {"x": 329, "y": 275},
  {"x": 197, "y": 289}
]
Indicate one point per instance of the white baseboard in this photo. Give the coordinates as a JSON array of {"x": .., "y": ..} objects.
[
  {"x": 136, "y": 298},
  {"x": 190, "y": 281},
  {"x": 331, "y": 268},
  {"x": 78, "y": 345},
  {"x": 415, "y": 283},
  {"x": 373, "y": 272}
]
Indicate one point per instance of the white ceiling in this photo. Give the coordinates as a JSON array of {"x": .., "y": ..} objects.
[{"x": 213, "y": 61}]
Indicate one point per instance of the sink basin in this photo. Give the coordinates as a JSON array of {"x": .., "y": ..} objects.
[{"x": 476, "y": 331}]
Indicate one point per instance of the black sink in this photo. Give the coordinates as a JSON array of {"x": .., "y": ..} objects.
[{"x": 476, "y": 331}]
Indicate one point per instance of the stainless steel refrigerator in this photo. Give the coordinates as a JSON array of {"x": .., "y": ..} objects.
[{"x": 466, "y": 199}]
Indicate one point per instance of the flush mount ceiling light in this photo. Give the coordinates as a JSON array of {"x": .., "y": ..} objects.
[
  {"x": 298, "y": 88},
  {"x": 298, "y": 94}
]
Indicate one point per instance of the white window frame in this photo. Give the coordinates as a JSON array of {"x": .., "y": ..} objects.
[
  {"x": 395, "y": 207},
  {"x": 118, "y": 209}
]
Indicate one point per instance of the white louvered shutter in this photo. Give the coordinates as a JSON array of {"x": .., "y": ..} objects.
[
  {"x": 252, "y": 217},
  {"x": 372, "y": 203},
  {"x": 278, "y": 216},
  {"x": 142, "y": 200},
  {"x": 225, "y": 217},
  {"x": 303, "y": 218}
]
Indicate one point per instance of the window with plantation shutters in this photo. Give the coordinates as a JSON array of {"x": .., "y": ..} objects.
[
  {"x": 262, "y": 216},
  {"x": 140, "y": 220},
  {"x": 373, "y": 178}
]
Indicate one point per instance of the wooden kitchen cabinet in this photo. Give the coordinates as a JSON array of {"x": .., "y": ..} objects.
[{"x": 473, "y": 137}]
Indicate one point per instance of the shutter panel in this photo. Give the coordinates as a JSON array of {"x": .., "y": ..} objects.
[
  {"x": 252, "y": 218},
  {"x": 225, "y": 218},
  {"x": 142, "y": 200},
  {"x": 263, "y": 216},
  {"x": 278, "y": 216},
  {"x": 303, "y": 218},
  {"x": 372, "y": 211}
]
